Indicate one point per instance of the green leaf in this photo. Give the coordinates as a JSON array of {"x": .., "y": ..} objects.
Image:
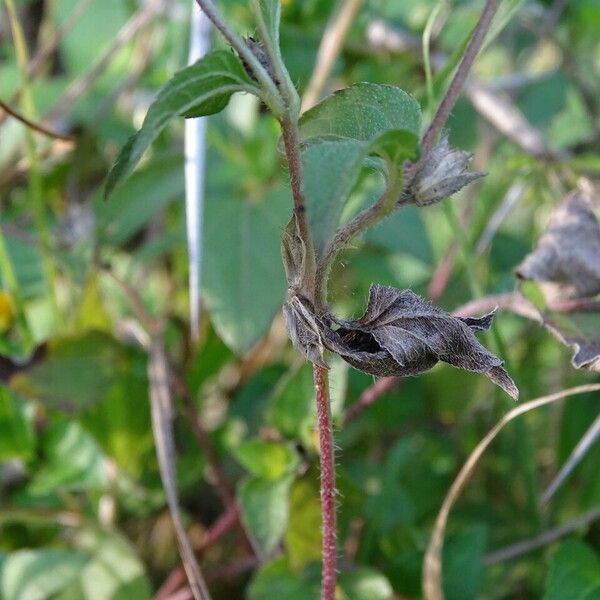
[
  {"x": 364, "y": 112},
  {"x": 269, "y": 460},
  {"x": 38, "y": 574},
  {"x": 303, "y": 535},
  {"x": 244, "y": 282},
  {"x": 291, "y": 407},
  {"x": 276, "y": 580},
  {"x": 203, "y": 88},
  {"x": 405, "y": 233},
  {"x": 331, "y": 168},
  {"x": 113, "y": 571},
  {"x": 76, "y": 373},
  {"x": 264, "y": 507},
  {"x": 364, "y": 584},
  {"x": 574, "y": 573},
  {"x": 74, "y": 461},
  {"x": 16, "y": 433},
  {"x": 463, "y": 556},
  {"x": 135, "y": 203}
]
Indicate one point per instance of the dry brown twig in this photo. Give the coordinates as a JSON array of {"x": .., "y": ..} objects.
[{"x": 32, "y": 125}]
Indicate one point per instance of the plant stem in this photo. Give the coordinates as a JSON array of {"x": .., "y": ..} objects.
[
  {"x": 272, "y": 97},
  {"x": 291, "y": 142},
  {"x": 365, "y": 219},
  {"x": 328, "y": 491},
  {"x": 456, "y": 86},
  {"x": 33, "y": 125}
]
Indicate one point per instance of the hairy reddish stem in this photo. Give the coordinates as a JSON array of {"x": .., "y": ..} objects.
[{"x": 328, "y": 492}]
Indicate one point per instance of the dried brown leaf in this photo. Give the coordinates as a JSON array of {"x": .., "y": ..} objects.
[
  {"x": 403, "y": 334},
  {"x": 566, "y": 260}
]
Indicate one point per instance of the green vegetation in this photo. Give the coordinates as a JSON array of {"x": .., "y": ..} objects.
[{"x": 142, "y": 459}]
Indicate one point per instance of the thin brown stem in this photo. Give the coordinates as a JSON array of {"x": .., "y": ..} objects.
[
  {"x": 291, "y": 142},
  {"x": 32, "y": 125},
  {"x": 272, "y": 96},
  {"x": 328, "y": 492},
  {"x": 456, "y": 86}
]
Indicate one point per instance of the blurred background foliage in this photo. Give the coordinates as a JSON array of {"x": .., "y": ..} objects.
[{"x": 83, "y": 513}]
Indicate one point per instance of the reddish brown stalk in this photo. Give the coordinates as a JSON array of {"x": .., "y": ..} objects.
[
  {"x": 32, "y": 125},
  {"x": 328, "y": 491},
  {"x": 457, "y": 84}
]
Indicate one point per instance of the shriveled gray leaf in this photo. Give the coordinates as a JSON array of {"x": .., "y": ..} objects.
[
  {"x": 304, "y": 328},
  {"x": 566, "y": 260},
  {"x": 440, "y": 173},
  {"x": 293, "y": 253},
  {"x": 403, "y": 334}
]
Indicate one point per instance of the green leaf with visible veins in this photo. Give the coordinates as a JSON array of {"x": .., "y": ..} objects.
[
  {"x": 203, "y": 88},
  {"x": 363, "y": 111}
]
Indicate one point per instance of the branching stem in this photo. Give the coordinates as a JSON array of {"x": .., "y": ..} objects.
[{"x": 365, "y": 219}]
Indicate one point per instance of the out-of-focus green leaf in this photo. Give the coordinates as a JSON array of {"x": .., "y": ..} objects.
[
  {"x": 303, "y": 535},
  {"x": 269, "y": 460},
  {"x": 364, "y": 584},
  {"x": 38, "y": 574},
  {"x": 16, "y": 433},
  {"x": 403, "y": 232},
  {"x": 264, "y": 507},
  {"x": 113, "y": 572},
  {"x": 363, "y": 111},
  {"x": 120, "y": 422},
  {"x": 276, "y": 580},
  {"x": 574, "y": 573},
  {"x": 203, "y": 88},
  {"x": 291, "y": 408},
  {"x": 75, "y": 373},
  {"x": 463, "y": 555},
  {"x": 74, "y": 461},
  {"x": 91, "y": 313},
  {"x": 138, "y": 200},
  {"x": 244, "y": 282}
]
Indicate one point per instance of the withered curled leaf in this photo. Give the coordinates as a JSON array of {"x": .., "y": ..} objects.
[
  {"x": 402, "y": 334},
  {"x": 566, "y": 260},
  {"x": 304, "y": 328},
  {"x": 440, "y": 173}
]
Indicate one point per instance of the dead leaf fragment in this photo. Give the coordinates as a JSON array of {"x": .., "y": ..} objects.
[
  {"x": 566, "y": 260},
  {"x": 403, "y": 334}
]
